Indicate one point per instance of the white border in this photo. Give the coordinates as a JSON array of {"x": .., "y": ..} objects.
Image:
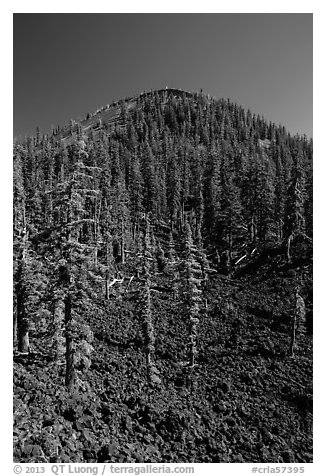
[{"x": 168, "y": 6}]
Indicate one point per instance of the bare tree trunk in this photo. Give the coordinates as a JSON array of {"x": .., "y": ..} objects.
[
  {"x": 21, "y": 319},
  {"x": 288, "y": 248},
  {"x": 15, "y": 330},
  {"x": 280, "y": 229},
  {"x": 299, "y": 321},
  {"x": 15, "y": 325},
  {"x": 251, "y": 231},
  {"x": 152, "y": 371},
  {"x": 148, "y": 359},
  {"x": 293, "y": 335}
]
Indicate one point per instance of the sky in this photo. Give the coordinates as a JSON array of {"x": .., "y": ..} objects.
[{"x": 66, "y": 65}]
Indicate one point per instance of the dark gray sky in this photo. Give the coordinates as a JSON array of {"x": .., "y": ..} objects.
[{"x": 66, "y": 65}]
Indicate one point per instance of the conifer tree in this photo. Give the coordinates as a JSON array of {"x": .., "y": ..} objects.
[
  {"x": 280, "y": 194},
  {"x": 145, "y": 303},
  {"x": 173, "y": 192},
  {"x": 265, "y": 201},
  {"x": 192, "y": 294},
  {"x": 21, "y": 278},
  {"x": 74, "y": 246},
  {"x": 231, "y": 216},
  {"x": 136, "y": 195},
  {"x": 294, "y": 221},
  {"x": 173, "y": 267},
  {"x": 21, "y": 321}
]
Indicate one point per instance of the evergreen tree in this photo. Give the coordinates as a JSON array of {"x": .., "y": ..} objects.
[
  {"x": 192, "y": 294},
  {"x": 74, "y": 248},
  {"x": 294, "y": 221},
  {"x": 145, "y": 302}
]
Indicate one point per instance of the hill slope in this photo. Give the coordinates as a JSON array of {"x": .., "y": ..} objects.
[{"x": 162, "y": 250}]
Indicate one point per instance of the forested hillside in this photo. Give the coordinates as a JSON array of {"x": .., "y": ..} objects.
[{"x": 163, "y": 286}]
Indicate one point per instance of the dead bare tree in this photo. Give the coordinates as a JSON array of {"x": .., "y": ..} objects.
[{"x": 298, "y": 322}]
